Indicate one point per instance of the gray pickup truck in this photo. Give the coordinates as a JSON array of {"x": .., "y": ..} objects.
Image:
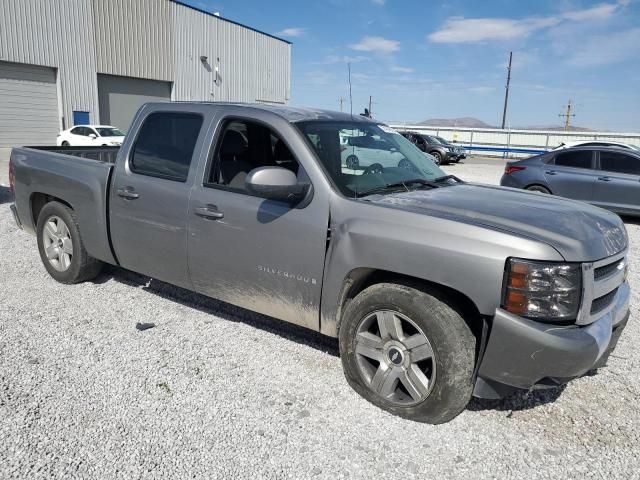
[{"x": 437, "y": 289}]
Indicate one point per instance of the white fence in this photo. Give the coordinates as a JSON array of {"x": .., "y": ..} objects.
[{"x": 514, "y": 143}]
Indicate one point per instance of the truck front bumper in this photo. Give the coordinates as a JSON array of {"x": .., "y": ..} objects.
[
  {"x": 14, "y": 212},
  {"x": 525, "y": 354}
]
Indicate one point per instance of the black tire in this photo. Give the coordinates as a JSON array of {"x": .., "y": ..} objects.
[
  {"x": 438, "y": 157},
  {"x": 65, "y": 144},
  {"x": 452, "y": 342},
  {"x": 82, "y": 267},
  {"x": 352, "y": 162},
  {"x": 538, "y": 188}
]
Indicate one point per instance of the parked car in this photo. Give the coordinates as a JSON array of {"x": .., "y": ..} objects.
[
  {"x": 359, "y": 152},
  {"x": 442, "y": 153},
  {"x": 608, "y": 177},
  {"x": 597, "y": 143},
  {"x": 436, "y": 289},
  {"x": 462, "y": 153},
  {"x": 90, "y": 135}
]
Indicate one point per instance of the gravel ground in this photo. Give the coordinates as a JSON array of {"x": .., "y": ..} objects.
[{"x": 215, "y": 392}]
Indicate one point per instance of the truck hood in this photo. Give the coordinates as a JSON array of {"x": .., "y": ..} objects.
[{"x": 578, "y": 231}]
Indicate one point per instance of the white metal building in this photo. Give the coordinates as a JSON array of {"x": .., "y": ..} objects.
[{"x": 66, "y": 62}]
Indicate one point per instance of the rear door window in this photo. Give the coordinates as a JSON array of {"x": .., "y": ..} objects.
[
  {"x": 619, "y": 163},
  {"x": 577, "y": 159},
  {"x": 165, "y": 145}
]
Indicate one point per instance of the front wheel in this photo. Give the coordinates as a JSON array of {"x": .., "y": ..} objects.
[
  {"x": 61, "y": 248},
  {"x": 65, "y": 144},
  {"x": 406, "y": 350},
  {"x": 438, "y": 156}
]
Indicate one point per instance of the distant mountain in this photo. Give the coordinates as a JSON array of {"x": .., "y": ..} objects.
[
  {"x": 468, "y": 122},
  {"x": 559, "y": 129},
  {"x": 471, "y": 122}
]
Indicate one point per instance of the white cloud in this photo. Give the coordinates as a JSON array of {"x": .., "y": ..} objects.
[
  {"x": 398, "y": 69},
  {"x": 329, "y": 59},
  {"x": 292, "y": 32},
  {"x": 475, "y": 30},
  {"x": 378, "y": 2},
  {"x": 377, "y": 45}
]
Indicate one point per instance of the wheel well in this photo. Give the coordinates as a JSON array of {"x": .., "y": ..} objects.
[
  {"x": 39, "y": 200},
  {"x": 538, "y": 185},
  {"x": 362, "y": 278}
]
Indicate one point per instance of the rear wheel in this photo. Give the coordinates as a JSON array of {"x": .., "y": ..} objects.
[
  {"x": 61, "y": 248},
  {"x": 65, "y": 144},
  {"x": 538, "y": 188},
  {"x": 406, "y": 350}
]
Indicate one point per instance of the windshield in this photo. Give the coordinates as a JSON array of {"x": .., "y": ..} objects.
[
  {"x": 364, "y": 157},
  {"x": 442, "y": 141},
  {"x": 109, "y": 132}
]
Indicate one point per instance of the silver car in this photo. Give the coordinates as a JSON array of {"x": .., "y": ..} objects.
[{"x": 608, "y": 177}]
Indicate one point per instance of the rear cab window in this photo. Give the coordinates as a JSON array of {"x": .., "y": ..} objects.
[
  {"x": 165, "y": 145},
  {"x": 577, "y": 159}
]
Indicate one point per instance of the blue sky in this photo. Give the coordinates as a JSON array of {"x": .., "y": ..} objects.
[{"x": 424, "y": 59}]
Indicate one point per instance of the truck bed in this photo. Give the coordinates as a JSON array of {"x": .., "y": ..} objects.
[
  {"x": 102, "y": 154},
  {"x": 77, "y": 176}
]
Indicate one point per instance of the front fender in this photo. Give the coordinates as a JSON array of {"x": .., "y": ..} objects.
[{"x": 464, "y": 257}]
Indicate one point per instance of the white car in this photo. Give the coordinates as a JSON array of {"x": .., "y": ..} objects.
[
  {"x": 90, "y": 135},
  {"x": 596, "y": 143},
  {"x": 359, "y": 152}
]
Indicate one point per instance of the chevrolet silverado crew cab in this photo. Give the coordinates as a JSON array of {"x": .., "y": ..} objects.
[{"x": 437, "y": 289}]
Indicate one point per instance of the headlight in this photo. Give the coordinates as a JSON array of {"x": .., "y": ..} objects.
[{"x": 542, "y": 290}]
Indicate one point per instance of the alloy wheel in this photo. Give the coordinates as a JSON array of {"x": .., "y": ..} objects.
[
  {"x": 395, "y": 357},
  {"x": 57, "y": 242}
]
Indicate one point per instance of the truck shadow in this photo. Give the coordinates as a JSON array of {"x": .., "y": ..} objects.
[
  {"x": 220, "y": 309},
  {"x": 524, "y": 400},
  {"x": 5, "y": 195},
  {"x": 516, "y": 402}
]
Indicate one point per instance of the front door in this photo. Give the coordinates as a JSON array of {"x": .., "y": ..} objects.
[
  {"x": 263, "y": 255},
  {"x": 617, "y": 185},
  {"x": 150, "y": 195},
  {"x": 571, "y": 174}
]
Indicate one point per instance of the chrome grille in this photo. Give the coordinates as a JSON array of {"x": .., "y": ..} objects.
[
  {"x": 601, "y": 281},
  {"x": 603, "y": 302},
  {"x": 601, "y": 272}
]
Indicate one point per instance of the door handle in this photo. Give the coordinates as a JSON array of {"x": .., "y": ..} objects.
[
  {"x": 127, "y": 193},
  {"x": 605, "y": 179},
  {"x": 210, "y": 211},
  {"x": 551, "y": 172}
]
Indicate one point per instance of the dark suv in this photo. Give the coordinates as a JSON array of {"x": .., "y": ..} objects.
[{"x": 443, "y": 151}]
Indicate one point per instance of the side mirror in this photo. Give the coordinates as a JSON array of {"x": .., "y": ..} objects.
[
  {"x": 93, "y": 136},
  {"x": 275, "y": 183}
]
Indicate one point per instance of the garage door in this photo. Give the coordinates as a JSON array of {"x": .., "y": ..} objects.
[
  {"x": 120, "y": 97},
  {"x": 28, "y": 105}
]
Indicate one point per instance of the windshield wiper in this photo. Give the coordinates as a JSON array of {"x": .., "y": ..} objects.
[
  {"x": 404, "y": 183},
  {"x": 447, "y": 177}
]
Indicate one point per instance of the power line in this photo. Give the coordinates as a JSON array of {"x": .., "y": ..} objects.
[
  {"x": 506, "y": 92},
  {"x": 567, "y": 115}
]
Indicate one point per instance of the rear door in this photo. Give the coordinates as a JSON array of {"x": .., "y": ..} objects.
[
  {"x": 617, "y": 186},
  {"x": 149, "y": 197},
  {"x": 264, "y": 255},
  {"x": 78, "y": 136},
  {"x": 571, "y": 174}
]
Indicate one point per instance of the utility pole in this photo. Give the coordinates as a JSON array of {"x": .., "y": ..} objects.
[
  {"x": 567, "y": 116},
  {"x": 341, "y": 101},
  {"x": 506, "y": 93},
  {"x": 370, "y": 102}
]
